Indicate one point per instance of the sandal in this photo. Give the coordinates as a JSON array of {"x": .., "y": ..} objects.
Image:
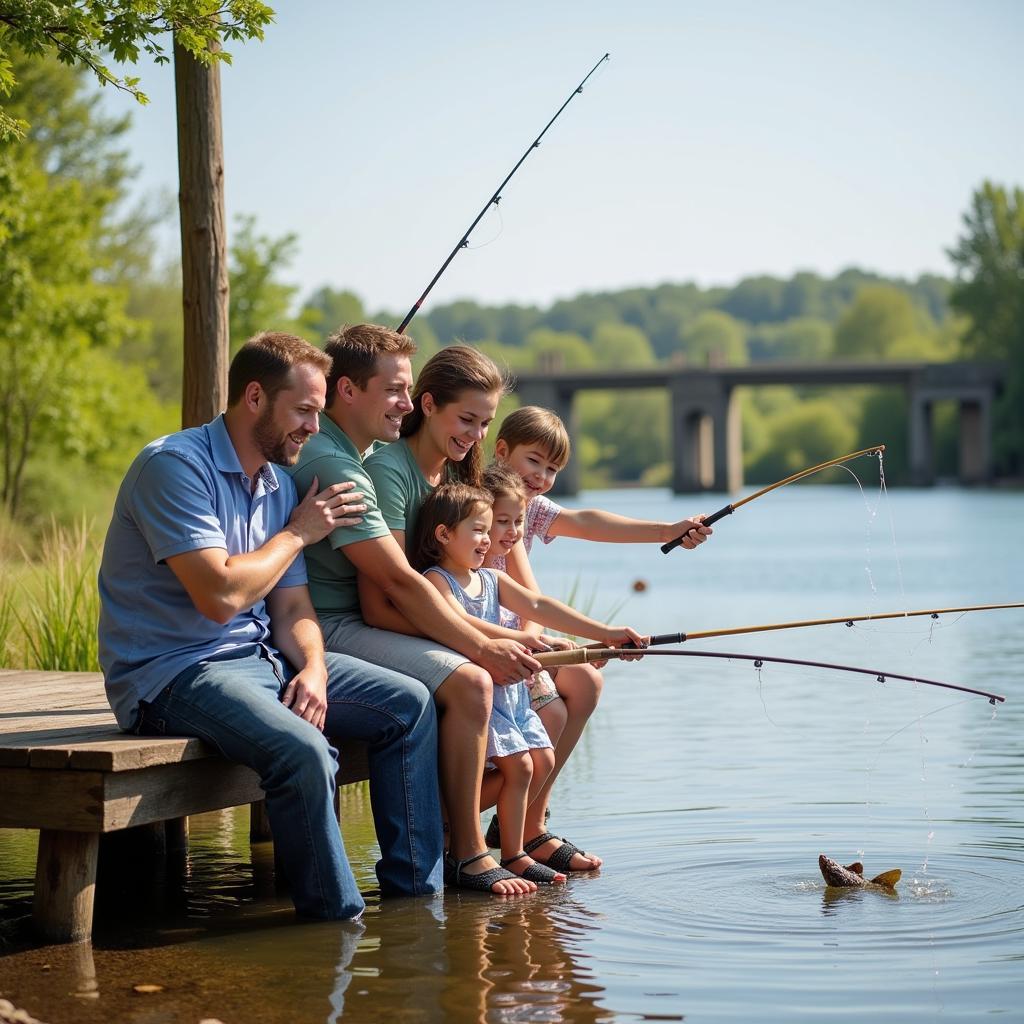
[
  {"x": 561, "y": 858},
  {"x": 539, "y": 873},
  {"x": 455, "y": 876},
  {"x": 493, "y": 835}
]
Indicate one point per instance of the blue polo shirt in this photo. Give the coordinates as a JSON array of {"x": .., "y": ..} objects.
[{"x": 183, "y": 492}]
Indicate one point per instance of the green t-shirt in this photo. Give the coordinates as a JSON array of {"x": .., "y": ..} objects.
[
  {"x": 332, "y": 458},
  {"x": 400, "y": 485}
]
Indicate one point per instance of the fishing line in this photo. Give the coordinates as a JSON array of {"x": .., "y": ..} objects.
[
  {"x": 759, "y": 669},
  {"x": 917, "y": 719},
  {"x": 494, "y": 211}
]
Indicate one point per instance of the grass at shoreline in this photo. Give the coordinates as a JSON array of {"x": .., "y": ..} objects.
[{"x": 49, "y": 604}]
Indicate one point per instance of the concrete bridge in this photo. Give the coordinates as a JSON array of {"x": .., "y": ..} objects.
[{"x": 706, "y": 435}]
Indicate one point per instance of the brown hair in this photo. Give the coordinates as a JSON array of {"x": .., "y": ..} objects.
[
  {"x": 502, "y": 482},
  {"x": 445, "y": 375},
  {"x": 446, "y": 505},
  {"x": 354, "y": 351},
  {"x": 267, "y": 358},
  {"x": 533, "y": 425}
]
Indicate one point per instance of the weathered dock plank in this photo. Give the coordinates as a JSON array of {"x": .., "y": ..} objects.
[{"x": 67, "y": 770}]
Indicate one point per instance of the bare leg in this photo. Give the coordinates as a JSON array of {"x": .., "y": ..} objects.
[
  {"x": 464, "y": 703},
  {"x": 580, "y": 689},
  {"x": 516, "y": 771}
]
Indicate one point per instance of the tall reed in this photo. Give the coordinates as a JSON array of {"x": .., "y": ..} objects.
[{"x": 58, "y": 610}]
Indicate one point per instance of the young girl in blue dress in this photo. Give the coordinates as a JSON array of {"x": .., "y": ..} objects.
[{"x": 450, "y": 542}]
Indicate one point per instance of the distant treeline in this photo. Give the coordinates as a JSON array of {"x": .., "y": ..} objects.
[
  {"x": 91, "y": 349},
  {"x": 806, "y": 318}
]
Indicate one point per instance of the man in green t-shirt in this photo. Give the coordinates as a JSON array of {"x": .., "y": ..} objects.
[{"x": 367, "y": 398}]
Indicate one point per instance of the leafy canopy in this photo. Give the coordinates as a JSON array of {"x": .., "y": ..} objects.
[{"x": 90, "y": 32}]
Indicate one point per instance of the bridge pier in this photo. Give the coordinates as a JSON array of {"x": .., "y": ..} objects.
[
  {"x": 707, "y": 449},
  {"x": 549, "y": 395},
  {"x": 976, "y": 441},
  {"x": 920, "y": 445},
  {"x": 974, "y": 399}
]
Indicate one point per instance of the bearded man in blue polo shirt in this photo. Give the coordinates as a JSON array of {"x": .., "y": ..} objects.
[{"x": 207, "y": 629}]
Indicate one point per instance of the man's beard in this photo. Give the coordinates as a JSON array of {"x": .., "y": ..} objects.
[{"x": 272, "y": 445}]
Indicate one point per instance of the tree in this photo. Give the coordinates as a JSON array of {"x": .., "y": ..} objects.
[
  {"x": 880, "y": 316},
  {"x": 327, "y": 309},
  {"x": 806, "y": 434},
  {"x": 51, "y": 309},
  {"x": 989, "y": 260},
  {"x": 83, "y": 32},
  {"x": 558, "y": 350},
  {"x": 259, "y": 300},
  {"x": 619, "y": 346},
  {"x": 802, "y": 339},
  {"x": 714, "y": 337}
]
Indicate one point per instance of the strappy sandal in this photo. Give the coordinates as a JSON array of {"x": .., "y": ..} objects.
[
  {"x": 493, "y": 835},
  {"x": 456, "y": 877},
  {"x": 536, "y": 872},
  {"x": 561, "y": 858}
]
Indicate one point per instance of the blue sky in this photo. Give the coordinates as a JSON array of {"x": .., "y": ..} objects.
[{"x": 721, "y": 140}]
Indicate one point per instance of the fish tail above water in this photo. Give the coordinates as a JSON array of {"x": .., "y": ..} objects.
[
  {"x": 852, "y": 876},
  {"x": 887, "y": 878}
]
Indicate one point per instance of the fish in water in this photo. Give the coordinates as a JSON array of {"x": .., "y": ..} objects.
[{"x": 852, "y": 876}]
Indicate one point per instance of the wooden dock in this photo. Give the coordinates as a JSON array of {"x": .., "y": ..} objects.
[{"x": 68, "y": 771}]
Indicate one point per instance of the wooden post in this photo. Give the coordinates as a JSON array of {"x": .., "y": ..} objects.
[
  {"x": 65, "y": 885},
  {"x": 259, "y": 822},
  {"x": 204, "y": 269}
]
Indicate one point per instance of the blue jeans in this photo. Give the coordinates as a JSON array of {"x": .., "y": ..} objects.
[{"x": 233, "y": 703}]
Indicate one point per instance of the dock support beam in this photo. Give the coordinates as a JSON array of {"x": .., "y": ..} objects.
[{"x": 65, "y": 885}]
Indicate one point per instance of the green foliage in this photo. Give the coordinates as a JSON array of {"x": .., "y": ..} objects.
[
  {"x": 327, "y": 309},
  {"x": 64, "y": 387},
  {"x": 153, "y": 301},
  {"x": 879, "y": 316},
  {"x": 622, "y": 346},
  {"x": 629, "y": 431},
  {"x": 713, "y": 338},
  {"x": 49, "y": 610},
  {"x": 558, "y": 350},
  {"x": 989, "y": 257},
  {"x": 52, "y": 308},
  {"x": 803, "y": 339},
  {"x": 259, "y": 300},
  {"x": 84, "y": 32},
  {"x": 804, "y": 435}
]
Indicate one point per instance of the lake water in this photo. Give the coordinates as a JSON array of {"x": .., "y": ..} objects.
[{"x": 708, "y": 787}]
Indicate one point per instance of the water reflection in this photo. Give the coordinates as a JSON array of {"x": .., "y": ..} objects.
[{"x": 832, "y": 899}]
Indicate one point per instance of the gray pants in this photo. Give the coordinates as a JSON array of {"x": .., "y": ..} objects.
[{"x": 414, "y": 656}]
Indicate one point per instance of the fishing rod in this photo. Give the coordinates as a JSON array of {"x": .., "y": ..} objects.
[
  {"x": 494, "y": 200},
  {"x": 849, "y": 620},
  {"x": 729, "y": 509},
  {"x": 556, "y": 658}
]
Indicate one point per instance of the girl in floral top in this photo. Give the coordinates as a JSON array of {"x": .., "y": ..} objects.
[{"x": 535, "y": 444}]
